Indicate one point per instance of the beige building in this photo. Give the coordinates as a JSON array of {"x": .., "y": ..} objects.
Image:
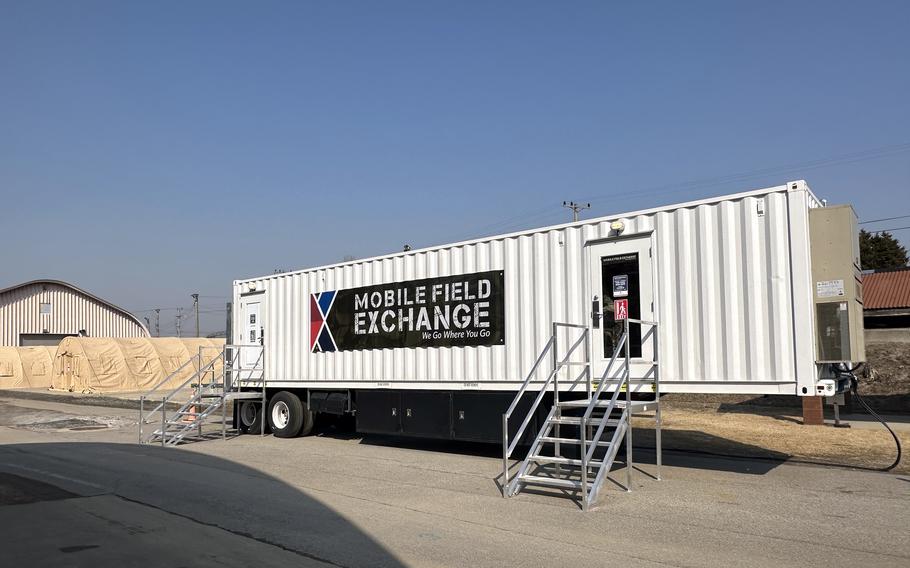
[{"x": 43, "y": 312}]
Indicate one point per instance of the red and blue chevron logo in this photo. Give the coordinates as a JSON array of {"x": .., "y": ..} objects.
[{"x": 321, "y": 340}]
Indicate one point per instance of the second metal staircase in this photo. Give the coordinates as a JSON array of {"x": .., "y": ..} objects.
[
  {"x": 190, "y": 409},
  {"x": 579, "y": 439}
]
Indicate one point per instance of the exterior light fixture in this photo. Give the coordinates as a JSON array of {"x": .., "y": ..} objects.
[{"x": 618, "y": 226}]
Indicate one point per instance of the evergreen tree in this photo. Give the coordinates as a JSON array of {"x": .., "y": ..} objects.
[{"x": 879, "y": 251}]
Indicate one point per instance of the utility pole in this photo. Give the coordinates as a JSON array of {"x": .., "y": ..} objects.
[
  {"x": 196, "y": 309},
  {"x": 575, "y": 207},
  {"x": 157, "y": 322},
  {"x": 148, "y": 322},
  {"x": 179, "y": 317}
]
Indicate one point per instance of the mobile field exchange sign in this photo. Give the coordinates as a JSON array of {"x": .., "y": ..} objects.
[{"x": 451, "y": 311}]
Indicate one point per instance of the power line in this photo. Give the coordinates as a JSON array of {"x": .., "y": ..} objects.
[
  {"x": 847, "y": 158},
  {"x": 885, "y": 219},
  {"x": 840, "y": 159},
  {"x": 175, "y": 308},
  {"x": 890, "y": 230}
]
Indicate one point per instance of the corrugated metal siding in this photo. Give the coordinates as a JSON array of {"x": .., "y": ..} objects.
[
  {"x": 724, "y": 288},
  {"x": 70, "y": 312},
  {"x": 886, "y": 290},
  {"x": 723, "y": 296}
]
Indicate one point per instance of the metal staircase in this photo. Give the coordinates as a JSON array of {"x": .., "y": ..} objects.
[
  {"x": 592, "y": 428},
  {"x": 188, "y": 411}
]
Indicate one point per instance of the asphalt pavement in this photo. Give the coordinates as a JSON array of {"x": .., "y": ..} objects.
[{"x": 77, "y": 490}]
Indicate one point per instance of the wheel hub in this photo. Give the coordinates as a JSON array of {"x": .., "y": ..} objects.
[
  {"x": 248, "y": 414},
  {"x": 281, "y": 415}
]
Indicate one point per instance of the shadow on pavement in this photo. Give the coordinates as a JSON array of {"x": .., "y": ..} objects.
[
  {"x": 788, "y": 407},
  {"x": 92, "y": 504},
  {"x": 682, "y": 448}
]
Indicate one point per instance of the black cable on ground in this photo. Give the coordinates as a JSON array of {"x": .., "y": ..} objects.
[
  {"x": 897, "y": 441},
  {"x": 853, "y": 389}
]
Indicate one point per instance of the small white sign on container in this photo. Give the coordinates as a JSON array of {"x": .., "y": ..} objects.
[{"x": 829, "y": 288}]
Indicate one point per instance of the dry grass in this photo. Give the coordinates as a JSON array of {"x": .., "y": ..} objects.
[{"x": 775, "y": 433}]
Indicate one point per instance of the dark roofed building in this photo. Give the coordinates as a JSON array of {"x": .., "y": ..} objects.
[{"x": 886, "y": 301}]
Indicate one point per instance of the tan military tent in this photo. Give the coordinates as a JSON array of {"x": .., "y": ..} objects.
[
  {"x": 26, "y": 367},
  {"x": 96, "y": 364}
]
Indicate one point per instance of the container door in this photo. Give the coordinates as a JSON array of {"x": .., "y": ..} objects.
[
  {"x": 621, "y": 285},
  {"x": 252, "y": 340}
]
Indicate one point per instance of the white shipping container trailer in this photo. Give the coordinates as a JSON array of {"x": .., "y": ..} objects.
[{"x": 750, "y": 293}]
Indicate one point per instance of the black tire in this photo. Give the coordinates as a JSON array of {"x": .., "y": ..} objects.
[
  {"x": 309, "y": 421},
  {"x": 249, "y": 417},
  {"x": 289, "y": 416}
]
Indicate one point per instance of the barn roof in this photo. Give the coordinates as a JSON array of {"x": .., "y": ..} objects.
[
  {"x": 78, "y": 290},
  {"x": 886, "y": 289}
]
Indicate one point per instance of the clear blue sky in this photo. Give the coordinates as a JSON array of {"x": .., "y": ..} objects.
[{"x": 153, "y": 149}]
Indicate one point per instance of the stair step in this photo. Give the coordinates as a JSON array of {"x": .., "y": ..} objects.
[
  {"x": 243, "y": 395},
  {"x": 550, "y": 481},
  {"x": 563, "y": 461},
  {"x": 190, "y": 422},
  {"x": 583, "y": 403},
  {"x": 637, "y": 405},
  {"x": 575, "y": 441},
  {"x": 576, "y": 421}
]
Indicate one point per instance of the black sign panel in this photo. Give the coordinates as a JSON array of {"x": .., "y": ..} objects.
[{"x": 452, "y": 311}]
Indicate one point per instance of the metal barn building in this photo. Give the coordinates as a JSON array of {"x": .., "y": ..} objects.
[{"x": 43, "y": 312}]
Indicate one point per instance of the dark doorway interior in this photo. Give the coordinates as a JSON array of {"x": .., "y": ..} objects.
[{"x": 620, "y": 278}]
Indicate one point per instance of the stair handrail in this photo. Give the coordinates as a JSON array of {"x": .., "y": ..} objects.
[
  {"x": 589, "y": 453},
  {"x": 202, "y": 370},
  {"x": 604, "y": 380},
  {"x": 623, "y": 380},
  {"x": 543, "y": 389},
  {"x": 508, "y": 448},
  {"x": 170, "y": 376},
  {"x": 591, "y": 496},
  {"x": 147, "y": 394},
  {"x": 200, "y": 387},
  {"x": 256, "y": 365},
  {"x": 162, "y": 406},
  {"x": 196, "y": 357}
]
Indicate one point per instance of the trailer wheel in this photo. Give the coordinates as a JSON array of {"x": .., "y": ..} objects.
[
  {"x": 250, "y": 417},
  {"x": 289, "y": 416}
]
